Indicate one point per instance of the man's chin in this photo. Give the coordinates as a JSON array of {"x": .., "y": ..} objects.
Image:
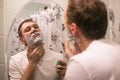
[{"x": 36, "y": 42}]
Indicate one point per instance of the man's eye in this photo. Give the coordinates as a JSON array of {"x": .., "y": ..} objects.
[
  {"x": 27, "y": 29},
  {"x": 36, "y": 26}
]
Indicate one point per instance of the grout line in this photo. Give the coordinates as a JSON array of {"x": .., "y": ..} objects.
[
  {"x": 2, "y": 63},
  {"x": 1, "y": 35}
]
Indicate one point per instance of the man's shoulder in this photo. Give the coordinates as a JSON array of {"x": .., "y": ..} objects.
[
  {"x": 18, "y": 61},
  {"x": 19, "y": 55}
]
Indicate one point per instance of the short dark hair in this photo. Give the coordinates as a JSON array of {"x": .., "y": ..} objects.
[
  {"x": 26, "y": 20},
  {"x": 90, "y": 16}
]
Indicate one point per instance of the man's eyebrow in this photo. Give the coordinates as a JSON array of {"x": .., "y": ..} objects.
[
  {"x": 27, "y": 26},
  {"x": 35, "y": 24}
]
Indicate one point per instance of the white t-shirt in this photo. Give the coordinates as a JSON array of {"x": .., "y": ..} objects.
[
  {"x": 100, "y": 61},
  {"x": 45, "y": 69}
]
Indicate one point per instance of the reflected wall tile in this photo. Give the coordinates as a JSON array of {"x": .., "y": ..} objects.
[
  {"x": 1, "y": 22},
  {"x": 1, "y": 3},
  {"x": 14, "y": 4},
  {"x": 2, "y": 58},
  {"x": 9, "y": 15},
  {"x": 11, "y": 8},
  {"x": 2, "y": 68}
]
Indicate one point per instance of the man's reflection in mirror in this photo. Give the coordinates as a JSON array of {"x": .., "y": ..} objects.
[{"x": 36, "y": 62}]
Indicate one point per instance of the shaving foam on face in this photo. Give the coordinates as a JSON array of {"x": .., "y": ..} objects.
[{"x": 34, "y": 40}]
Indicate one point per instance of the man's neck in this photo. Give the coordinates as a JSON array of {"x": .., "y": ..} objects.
[{"x": 84, "y": 43}]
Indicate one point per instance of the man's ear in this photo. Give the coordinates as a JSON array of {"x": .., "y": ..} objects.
[
  {"x": 22, "y": 40},
  {"x": 74, "y": 29}
]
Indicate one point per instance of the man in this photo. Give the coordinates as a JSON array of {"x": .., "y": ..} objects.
[
  {"x": 36, "y": 62},
  {"x": 98, "y": 57}
]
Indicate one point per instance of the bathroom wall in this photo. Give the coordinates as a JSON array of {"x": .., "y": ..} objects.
[
  {"x": 2, "y": 59},
  {"x": 8, "y": 11}
]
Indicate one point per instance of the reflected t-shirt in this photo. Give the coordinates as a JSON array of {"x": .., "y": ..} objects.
[{"x": 45, "y": 69}]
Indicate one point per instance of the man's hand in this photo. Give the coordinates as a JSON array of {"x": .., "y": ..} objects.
[
  {"x": 34, "y": 54},
  {"x": 61, "y": 67},
  {"x": 71, "y": 50}
]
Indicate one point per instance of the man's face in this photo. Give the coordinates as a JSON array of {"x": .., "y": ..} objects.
[
  {"x": 31, "y": 33},
  {"x": 65, "y": 19},
  {"x": 28, "y": 28},
  {"x": 72, "y": 30},
  {"x": 69, "y": 33},
  {"x": 67, "y": 25}
]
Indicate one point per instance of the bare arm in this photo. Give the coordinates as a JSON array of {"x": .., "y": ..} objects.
[
  {"x": 33, "y": 56},
  {"x": 29, "y": 72}
]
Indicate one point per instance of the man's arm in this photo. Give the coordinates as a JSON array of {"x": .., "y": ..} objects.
[
  {"x": 33, "y": 56},
  {"x": 15, "y": 74},
  {"x": 29, "y": 71}
]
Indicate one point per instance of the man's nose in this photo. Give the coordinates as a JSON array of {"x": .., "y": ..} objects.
[{"x": 33, "y": 30}]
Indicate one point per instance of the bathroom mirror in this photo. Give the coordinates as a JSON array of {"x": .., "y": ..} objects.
[
  {"x": 51, "y": 23},
  {"x": 114, "y": 20}
]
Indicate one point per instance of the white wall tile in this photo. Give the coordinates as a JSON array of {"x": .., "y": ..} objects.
[
  {"x": 11, "y": 9},
  {"x": 2, "y": 58},
  {"x": 2, "y": 72},
  {"x": 9, "y": 16},
  {"x": 1, "y": 22},
  {"x": 1, "y": 3},
  {"x": 14, "y": 4}
]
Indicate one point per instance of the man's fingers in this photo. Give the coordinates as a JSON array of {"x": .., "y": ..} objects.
[
  {"x": 60, "y": 67},
  {"x": 60, "y": 71},
  {"x": 36, "y": 52},
  {"x": 29, "y": 50},
  {"x": 66, "y": 45},
  {"x": 61, "y": 62},
  {"x": 67, "y": 49}
]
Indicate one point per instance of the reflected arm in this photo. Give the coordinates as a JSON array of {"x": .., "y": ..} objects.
[
  {"x": 29, "y": 72},
  {"x": 33, "y": 56}
]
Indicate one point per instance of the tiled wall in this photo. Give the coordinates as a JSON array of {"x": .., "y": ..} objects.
[
  {"x": 2, "y": 59},
  {"x": 8, "y": 11}
]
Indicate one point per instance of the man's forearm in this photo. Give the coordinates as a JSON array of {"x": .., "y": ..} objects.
[{"x": 29, "y": 71}]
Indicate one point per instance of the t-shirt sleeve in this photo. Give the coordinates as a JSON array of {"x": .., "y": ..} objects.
[
  {"x": 14, "y": 73},
  {"x": 75, "y": 71}
]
